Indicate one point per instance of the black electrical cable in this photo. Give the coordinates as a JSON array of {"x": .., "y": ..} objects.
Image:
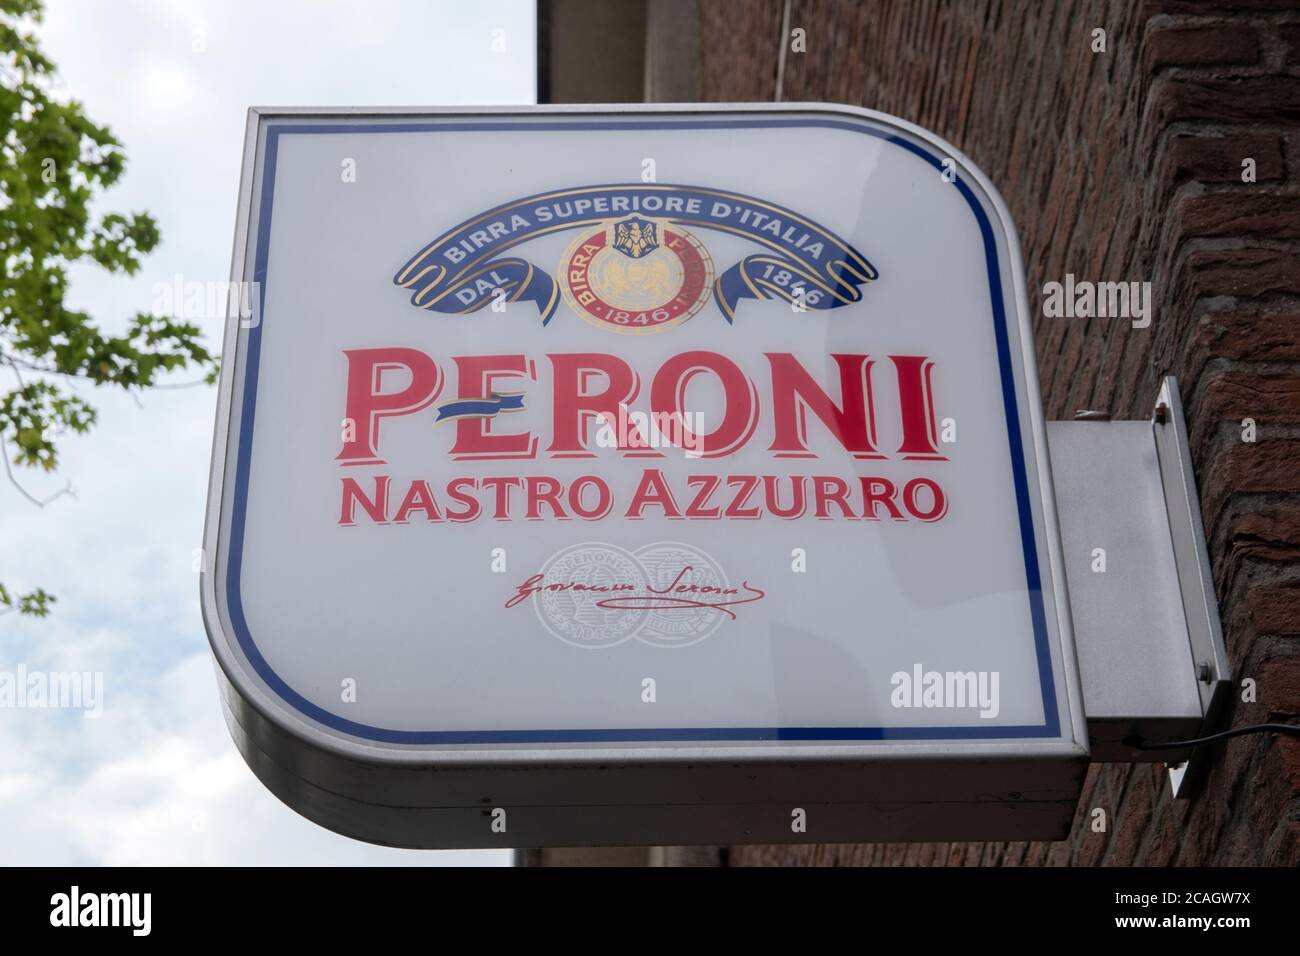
[{"x": 1137, "y": 743}]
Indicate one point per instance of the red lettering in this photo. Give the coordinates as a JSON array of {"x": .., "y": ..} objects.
[
  {"x": 830, "y": 490},
  {"x": 708, "y": 484},
  {"x": 502, "y": 488},
  {"x": 797, "y": 507},
  {"x": 652, "y": 489},
  {"x": 575, "y": 406},
  {"x": 604, "y": 500},
  {"x": 916, "y": 405},
  {"x": 376, "y": 507},
  {"x": 795, "y": 392},
  {"x": 668, "y": 397},
  {"x": 475, "y": 376},
  {"x": 746, "y": 484},
  {"x": 472, "y": 507},
  {"x": 879, "y": 491},
  {"x": 366, "y": 404},
  {"x": 938, "y": 506},
  {"x": 544, "y": 490},
  {"x": 419, "y": 497}
]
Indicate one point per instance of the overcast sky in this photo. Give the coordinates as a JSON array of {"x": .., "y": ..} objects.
[{"x": 156, "y": 779}]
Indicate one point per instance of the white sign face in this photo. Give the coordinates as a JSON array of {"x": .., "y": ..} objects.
[{"x": 634, "y": 429}]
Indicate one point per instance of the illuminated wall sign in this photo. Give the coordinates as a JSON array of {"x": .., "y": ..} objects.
[{"x": 637, "y": 476}]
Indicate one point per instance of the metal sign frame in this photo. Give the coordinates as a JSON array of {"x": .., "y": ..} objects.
[
  {"x": 592, "y": 791},
  {"x": 1150, "y": 644}
]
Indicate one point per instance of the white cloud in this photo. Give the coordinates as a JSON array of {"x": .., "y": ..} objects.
[
  {"x": 157, "y": 779},
  {"x": 164, "y": 86}
]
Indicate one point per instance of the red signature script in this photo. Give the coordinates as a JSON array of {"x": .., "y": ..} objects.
[{"x": 679, "y": 595}]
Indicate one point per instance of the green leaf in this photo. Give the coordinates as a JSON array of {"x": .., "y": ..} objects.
[{"x": 54, "y": 161}]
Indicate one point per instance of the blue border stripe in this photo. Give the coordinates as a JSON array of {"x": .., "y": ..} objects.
[{"x": 234, "y": 599}]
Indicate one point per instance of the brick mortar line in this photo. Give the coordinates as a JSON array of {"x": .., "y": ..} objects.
[{"x": 1159, "y": 21}]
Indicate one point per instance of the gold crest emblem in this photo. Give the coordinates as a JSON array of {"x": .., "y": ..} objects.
[
  {"x": 636, "y": 275},
  {"x": 636, "y": 237}
]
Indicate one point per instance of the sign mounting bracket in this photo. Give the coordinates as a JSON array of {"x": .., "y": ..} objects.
[{"x": 1148, "y": 634}]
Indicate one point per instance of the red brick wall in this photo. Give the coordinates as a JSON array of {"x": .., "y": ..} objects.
[{"x": 1123, "y": 165}]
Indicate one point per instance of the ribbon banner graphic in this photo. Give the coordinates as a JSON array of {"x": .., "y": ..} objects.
[
  {"x": 480, "y": 407},
  {"x": 469, "y": 266}
]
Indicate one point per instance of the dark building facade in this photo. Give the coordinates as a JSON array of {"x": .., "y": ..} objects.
[{"x": 1154, "y": 141}]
